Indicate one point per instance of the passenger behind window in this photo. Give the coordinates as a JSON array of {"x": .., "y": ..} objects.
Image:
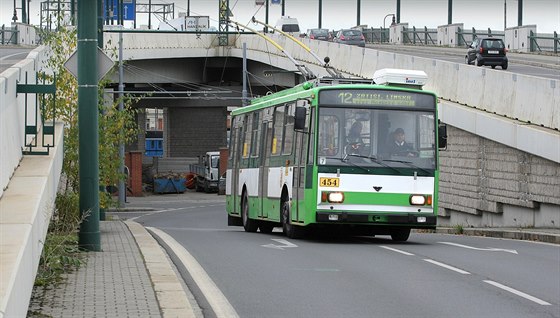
[{"x": 354, "y": 139}]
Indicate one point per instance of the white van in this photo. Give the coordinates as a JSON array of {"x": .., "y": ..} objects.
[{"x": 288, "y": 25}]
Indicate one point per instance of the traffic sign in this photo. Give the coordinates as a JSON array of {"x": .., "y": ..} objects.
[
  {"x": 104, "y": 64},
  {"x": 112, "y": 11}
]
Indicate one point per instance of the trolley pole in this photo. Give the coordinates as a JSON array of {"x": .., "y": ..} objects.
[{"x": 89, "y": 236}]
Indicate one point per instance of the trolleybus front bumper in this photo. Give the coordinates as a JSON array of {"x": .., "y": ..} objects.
[{"x": 414, "y": 220}]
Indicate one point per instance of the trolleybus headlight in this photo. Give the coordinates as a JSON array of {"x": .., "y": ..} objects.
[
  {"x": 335, "y": 197},
  {"x": 416, "y": 199}
]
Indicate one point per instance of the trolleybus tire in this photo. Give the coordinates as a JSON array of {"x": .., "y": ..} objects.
[
  {"x": 291, "y": 231},
  {"x": 248, "y": 224},
  {"x": 400, "y": 235}
]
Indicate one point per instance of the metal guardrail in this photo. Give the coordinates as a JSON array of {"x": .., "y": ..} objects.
[
  {"x": 462, "y": 41},
  {"x": 379, "y": 35},
  {"x": 534, "y": 45},
  {"x": 419, "y": 37},
  {"x": 13, "y": 38}
]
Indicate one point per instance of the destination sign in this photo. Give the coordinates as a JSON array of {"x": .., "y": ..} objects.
[{"x": 373, "y": 97}]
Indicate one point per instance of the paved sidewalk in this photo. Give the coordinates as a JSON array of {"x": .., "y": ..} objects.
[{"x": 111, "y": 283}]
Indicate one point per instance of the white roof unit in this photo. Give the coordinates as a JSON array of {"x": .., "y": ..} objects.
[{"x": 388, "y": 76}]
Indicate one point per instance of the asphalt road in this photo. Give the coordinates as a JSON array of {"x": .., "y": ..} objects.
[
  {"x": 11, "y": 55},
  {"x": 431, "y": 275},
  {"x": 527, "y": 64}
]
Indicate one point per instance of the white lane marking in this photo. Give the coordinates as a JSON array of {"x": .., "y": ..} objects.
[
  {"x": 285, "y": 244},
  {"x": 458, "y": 270},
  {"x": 489, "y": 249},
  {"x": 8, "y": 56},
  {"x": 217, "y": 300},
  {"x": 396, "y": 250},
  {"x": 518, "y": 293}
]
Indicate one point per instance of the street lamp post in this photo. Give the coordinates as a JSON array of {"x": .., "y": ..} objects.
[
  {"x": 390, "y": 14},
  {"x": 15, "y": 18}
]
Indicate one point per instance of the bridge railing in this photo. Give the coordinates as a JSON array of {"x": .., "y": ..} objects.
[
  {"x": 423, "y": 36},
  {"x": 9, "y": 35},
  {"x": 544, "y": 42},
  {"x": 464, "y": 37},
  {"x": 379, "y": 35}
]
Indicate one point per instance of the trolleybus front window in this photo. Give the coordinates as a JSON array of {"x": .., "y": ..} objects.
[{"x": 397, "y": 138}]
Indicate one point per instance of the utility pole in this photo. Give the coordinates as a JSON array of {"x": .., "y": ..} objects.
[
  {"x": 449, "y": 11},
  {"x": 188, "y": 8},
  {"x": 122, "y": 187},
  {"x": 266, "y": 17},
  {"x": 283, "y": 7},
  {"x": 244, "y": 91},
  {"x": 358, "y": 12},
  {"x": 505, "y": 14},
  {"x": 519, "y": 12},
  {"x": 89, "y": 236},
  {"x": 398, "y": 11},
  {"x": 15, "y": 18},
  {"x": 320, "y": 14},
  {"x": 23, "y": 12}
]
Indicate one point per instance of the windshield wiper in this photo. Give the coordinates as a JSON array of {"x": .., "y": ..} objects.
[
  {"x": 374, "y": 159},
  {"x": 345, "y": 160},
  {"x": 408, "y": 163}
]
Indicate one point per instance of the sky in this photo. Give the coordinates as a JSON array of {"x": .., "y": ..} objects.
[{"x": 337, "y": 14}]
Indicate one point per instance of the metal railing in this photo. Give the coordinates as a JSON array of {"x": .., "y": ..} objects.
[
  {"x": 423, "y": 37},
  {"x": 548, "y": 43},
  {"x": 471, "y": 36},
  {"x": 380, "y": 35},
  {"x": 13, "y": 35},
  {"x": 36, "y": 127}
]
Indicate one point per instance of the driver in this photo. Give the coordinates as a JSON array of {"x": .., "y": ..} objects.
[{"x": 398, "y": 146}]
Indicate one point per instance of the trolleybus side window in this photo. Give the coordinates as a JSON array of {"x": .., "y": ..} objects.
[
  {"x": 276, "y": 147},
  {"x": 255, "y": 135},
  {"x": 328, "y": 135},
  {"x": 247, "y": 135},
  {"x": 289, "y": 130}
]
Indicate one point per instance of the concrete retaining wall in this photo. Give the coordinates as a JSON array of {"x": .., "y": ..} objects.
[
  {"x": 12, "y": 112},
  {"x": 25, "y": 211}
]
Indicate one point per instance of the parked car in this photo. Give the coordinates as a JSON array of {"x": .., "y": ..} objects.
[
  {"x": 319, "y": 34},
  {"x": 487, "y": 51},
  {"x": 350, "y": 36}
]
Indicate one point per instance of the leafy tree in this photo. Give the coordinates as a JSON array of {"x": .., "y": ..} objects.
[{"x": 114, "y": 126}]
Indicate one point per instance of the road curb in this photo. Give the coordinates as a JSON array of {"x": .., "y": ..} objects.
[
  {"x": 509, "y": 234},
  {"x": 171, "y": 296}
]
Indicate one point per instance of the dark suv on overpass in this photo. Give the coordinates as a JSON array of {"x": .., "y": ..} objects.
[{"x": 487, "y": 51}]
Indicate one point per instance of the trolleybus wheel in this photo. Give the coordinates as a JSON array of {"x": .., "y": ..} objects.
[
  {"x": 291, "y": 231},
  {"x": 400, "y": 235},
  {"x": 248, "y": 224}
]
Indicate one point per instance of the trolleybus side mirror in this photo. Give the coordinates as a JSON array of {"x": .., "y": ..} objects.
[
  {"x": 442, "y": 136},
  {"x": 299, "y": 123}
]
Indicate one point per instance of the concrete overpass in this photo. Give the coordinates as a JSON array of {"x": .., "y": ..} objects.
[{"x": 501, "y": 168}]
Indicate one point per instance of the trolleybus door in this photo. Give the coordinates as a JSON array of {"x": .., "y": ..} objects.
[
  {"x": 298, "y": 184},
  {"x": 237, "y": 150},
  {"x": 263, "y": 170}
]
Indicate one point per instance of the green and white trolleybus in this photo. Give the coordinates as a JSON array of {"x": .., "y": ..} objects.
[{"x": 335, "y": 153}]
